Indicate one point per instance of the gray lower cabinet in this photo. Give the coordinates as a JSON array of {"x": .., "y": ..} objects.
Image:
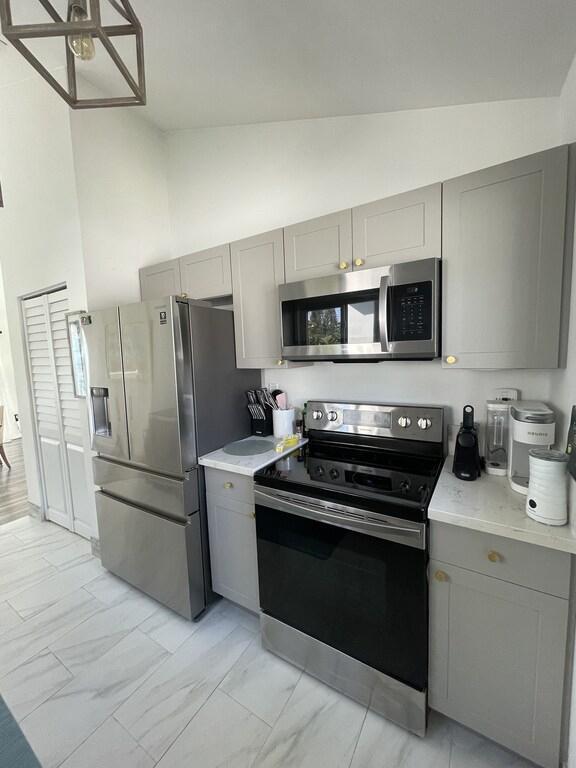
[
  {"x": 232, "y": 534},
  {"x": 207, "y": 274},
  {"x": 399, "y": 228},
  {"x": 502, "y": 262},
  {"x": 160, "y": 280},
  {"x": 257, "y": 271},
  {"x": 498, "y": 654},
  {"x": 318, "y": 247}
]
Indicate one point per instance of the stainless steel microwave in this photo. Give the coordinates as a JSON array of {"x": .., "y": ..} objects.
[{"x": 385, "y": 313}]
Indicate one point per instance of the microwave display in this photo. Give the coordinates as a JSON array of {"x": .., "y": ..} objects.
[
  {"x": 329, "y": 320},
  {"x": 411, "y": 312}
]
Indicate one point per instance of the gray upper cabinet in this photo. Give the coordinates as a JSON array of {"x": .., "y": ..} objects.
[
  {"x": 207, "y": 274},
  {"x": 503, "y": 241},
  {"x": 399, "y": 228},
  {"x": 318, "y": 247},
  {"x": 160, "y": 280},
  {"x": 257, "y": 271}
]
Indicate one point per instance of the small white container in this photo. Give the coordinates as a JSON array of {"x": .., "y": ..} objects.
[
  {"x": 283, "y": 422},
  {"x": 547, "y": 499}
]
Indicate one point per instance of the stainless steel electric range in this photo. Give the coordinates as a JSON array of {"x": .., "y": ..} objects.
[{"x": 342, "y": 538}]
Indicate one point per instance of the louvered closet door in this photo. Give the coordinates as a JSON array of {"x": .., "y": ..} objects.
[{"x": 57, "y": 412}]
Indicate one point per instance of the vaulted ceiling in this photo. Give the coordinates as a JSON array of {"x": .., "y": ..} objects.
[{"x": 223, "y": 62}]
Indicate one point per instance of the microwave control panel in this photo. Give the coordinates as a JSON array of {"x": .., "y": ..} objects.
[{"x": 411, "y": 312}]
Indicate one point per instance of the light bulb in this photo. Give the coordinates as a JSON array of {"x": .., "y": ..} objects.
[{"x": 81, "y": 44}]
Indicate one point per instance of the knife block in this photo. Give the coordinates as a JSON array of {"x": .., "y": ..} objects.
[{"x": 263, "y": 427}]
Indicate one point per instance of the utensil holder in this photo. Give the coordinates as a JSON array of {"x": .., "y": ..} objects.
[{"x": 283, "y": 422}]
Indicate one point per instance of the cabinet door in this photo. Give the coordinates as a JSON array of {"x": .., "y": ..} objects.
[
  {"x": 233, "y": 558},
  {"x": 502, "y": 260},
  {"x": 160, "y": 280},
  {"x": 318, "y": 247},
  {"x": 206, "y": 274},
  {"x": 497, "y": 656},
  {"x": 400, "y": 228},
  {"x": 257, "y": 271}
]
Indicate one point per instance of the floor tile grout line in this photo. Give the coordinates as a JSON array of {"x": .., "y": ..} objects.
[
  {"x": 54, "y": 693},
  {"x": 169, "y": 656},
  {"x": 279, "y": 716},
  {"x": 240, "y": 704},
  {"x": 127, "y": 732},
  {"x": 358, "y": 737}
]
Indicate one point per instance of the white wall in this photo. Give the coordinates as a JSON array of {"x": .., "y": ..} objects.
[
  {"x": 121, "y": 166},
  {"x": 227, "y": 183},
  {"x": 40, "y": 243}
]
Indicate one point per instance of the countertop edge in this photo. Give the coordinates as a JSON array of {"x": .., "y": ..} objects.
[{"x": 505, "y": 531}]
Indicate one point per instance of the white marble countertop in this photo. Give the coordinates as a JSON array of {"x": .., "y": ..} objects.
[
  {"x": 247, "y": 465},
  {"x": 491, "y": 506}
]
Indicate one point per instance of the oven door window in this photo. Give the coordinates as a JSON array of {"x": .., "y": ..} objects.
[
  {"x": 331, "y": 320},
  {"x": 363, "y": 596}
]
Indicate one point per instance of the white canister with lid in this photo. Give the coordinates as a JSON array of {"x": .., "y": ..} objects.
[{"x": 547, "y": 499}]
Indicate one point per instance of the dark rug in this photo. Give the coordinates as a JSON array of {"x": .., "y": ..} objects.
[{"x": 15, "y": 752}]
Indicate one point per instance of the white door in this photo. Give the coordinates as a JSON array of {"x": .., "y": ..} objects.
[{"x": 58, "y": 414}]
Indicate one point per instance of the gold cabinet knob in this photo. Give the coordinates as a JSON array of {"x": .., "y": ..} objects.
[
  {"x": 183, "y": 295},
  {"x": 441, "y": 576},
  {"x": 495, "y": 557},
  {"x": 358, "y": 262},
  {"x": 343, "y": 265},
  {"x": 279, "y": 362},
  {"x": 450, "y": 359},
  {"x": 228, "y": 485}
]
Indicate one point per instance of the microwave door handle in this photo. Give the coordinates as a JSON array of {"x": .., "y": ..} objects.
[{"x": 383, "y": 313}]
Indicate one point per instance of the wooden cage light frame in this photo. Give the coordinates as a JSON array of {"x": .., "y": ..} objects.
[{"x": 17, "y": 33}]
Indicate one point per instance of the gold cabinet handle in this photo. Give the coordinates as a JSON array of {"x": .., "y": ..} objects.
[
  {"x": 228, "y": 485},
  {"x": 359, "y": 262},
  {"x": 450, "y": 359},
  {"x": 343, "y": 265},
  {"x": 495, "y": 557},
  {"x": 441, "y": 576}
]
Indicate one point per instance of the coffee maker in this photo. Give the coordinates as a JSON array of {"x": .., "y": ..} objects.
[{"x": 532, "y": 425}]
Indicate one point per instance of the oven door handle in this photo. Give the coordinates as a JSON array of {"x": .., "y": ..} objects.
[
  {"x": 353, "y": 521},
  {"x": 383, "y": 313}
]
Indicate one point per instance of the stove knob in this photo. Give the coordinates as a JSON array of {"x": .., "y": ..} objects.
[
  {"x": 319, "y": 470},
  {"x": 317, "y": 415},
  {"x": 405, "y": 485},
  {"x": 424, "y": 423},
  {"x": 332, "y": 416},
  {"x": 404, "y": 421},
  {"x": 334, "y": 474}
]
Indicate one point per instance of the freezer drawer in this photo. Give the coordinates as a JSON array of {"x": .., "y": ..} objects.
[
  {"x": 166, "y": 495},
  {"x": 161, "y": 557}
]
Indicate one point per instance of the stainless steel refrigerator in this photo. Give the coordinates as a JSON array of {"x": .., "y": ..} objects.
[{"x": 163, "y": 390}]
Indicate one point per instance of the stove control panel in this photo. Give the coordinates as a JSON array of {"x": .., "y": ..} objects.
[{"x": 409, "y": 422}]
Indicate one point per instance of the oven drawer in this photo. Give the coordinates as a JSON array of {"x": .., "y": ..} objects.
[
  {"x": 527, "y": 565},
  {"x": 161, "y": 557},
  {"x": 229, "y": 485}
]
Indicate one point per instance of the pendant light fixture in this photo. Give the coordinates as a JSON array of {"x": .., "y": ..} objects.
[{"x": 82, "y": 27}]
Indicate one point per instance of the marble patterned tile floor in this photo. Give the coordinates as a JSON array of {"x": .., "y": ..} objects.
[{"x": 98, "y": 674}]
